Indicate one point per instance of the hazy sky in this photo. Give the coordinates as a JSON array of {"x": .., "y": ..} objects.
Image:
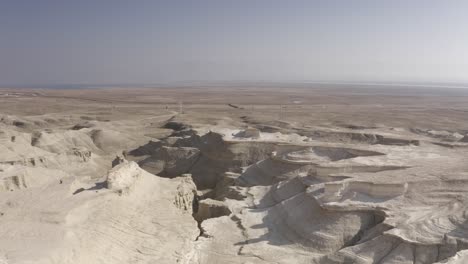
[{"x": 150, "y": 41}]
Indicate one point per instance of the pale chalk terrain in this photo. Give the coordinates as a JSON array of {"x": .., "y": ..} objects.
[{"x": 234, "y": 175}]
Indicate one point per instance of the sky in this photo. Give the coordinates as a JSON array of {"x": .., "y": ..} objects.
[{"x": 53, "y": 42}]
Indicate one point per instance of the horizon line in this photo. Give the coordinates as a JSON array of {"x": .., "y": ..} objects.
[{"x": 242, "y": 83}]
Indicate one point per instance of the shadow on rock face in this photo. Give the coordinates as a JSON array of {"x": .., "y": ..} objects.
[
  {"x": 299, "y": 220},
  {"x": 97, "y": 186}
]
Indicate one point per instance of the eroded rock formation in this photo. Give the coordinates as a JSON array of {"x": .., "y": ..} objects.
[{"x": 231, "y": 195}]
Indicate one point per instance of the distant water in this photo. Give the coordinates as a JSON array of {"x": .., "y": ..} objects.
[
  {"x": 391, "y": 88},
  {"x": 73, "y": 86}
]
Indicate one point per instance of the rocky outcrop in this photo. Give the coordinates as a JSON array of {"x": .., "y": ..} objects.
[
  {"x": 224, "y": 196},
  {"x": 186, "y": 194},
  {"x": 122, "y": 177}
]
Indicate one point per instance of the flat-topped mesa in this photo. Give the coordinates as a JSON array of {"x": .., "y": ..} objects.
[
  {"x": 357, "y": 137},
  {"x": 318, "y": 154},
  {"x": 124, "y": 176},
  {"x": 362, "y": 191}
]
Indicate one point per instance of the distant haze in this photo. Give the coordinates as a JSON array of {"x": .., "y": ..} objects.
[{"x": 150, "y": 41}]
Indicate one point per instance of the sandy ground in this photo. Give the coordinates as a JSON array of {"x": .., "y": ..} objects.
[{"x": 233, "y": 175}]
